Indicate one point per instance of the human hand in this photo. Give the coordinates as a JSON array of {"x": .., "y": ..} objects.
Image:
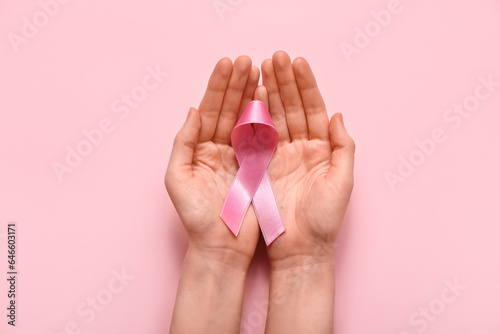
[
  {"x": 312, "y": 168},
  {"x": 203, "y": 164}
]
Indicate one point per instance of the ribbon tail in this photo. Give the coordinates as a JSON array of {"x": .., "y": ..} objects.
[
  {"x": 267, "y": 211},
  {"x": 235, "y": 206}
]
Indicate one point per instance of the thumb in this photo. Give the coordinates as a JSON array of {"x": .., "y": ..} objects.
[
  {"x": 343, "y": 147},
  {"x": 185, "y": 141}
]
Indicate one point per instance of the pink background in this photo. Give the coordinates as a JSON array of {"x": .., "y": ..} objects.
[{"x": 398, "y": 247}]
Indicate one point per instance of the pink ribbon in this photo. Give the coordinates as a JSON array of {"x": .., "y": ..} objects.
[{"x": 252, "y": 184}]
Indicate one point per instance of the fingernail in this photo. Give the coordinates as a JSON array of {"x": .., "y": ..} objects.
[
  {"x": 341, "y": 119},
  {"x": 189, "y": 114}
]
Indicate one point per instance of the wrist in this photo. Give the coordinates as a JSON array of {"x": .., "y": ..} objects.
[
  {"x": 290, "y": 274},
  {"x": 302, "y": 264},
  {"x": 303, "y": 257},
  {"x": 297, "y": 277},
  {"x": 217, "y": 261}
]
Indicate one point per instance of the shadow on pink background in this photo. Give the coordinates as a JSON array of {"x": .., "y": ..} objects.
[{"x": 100, "y": 246}]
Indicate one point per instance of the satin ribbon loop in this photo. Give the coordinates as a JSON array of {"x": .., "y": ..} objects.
[{"x": 253, "y": 150}]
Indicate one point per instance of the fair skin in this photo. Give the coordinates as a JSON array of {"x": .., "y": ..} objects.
[{"x": 312, "y": 177}]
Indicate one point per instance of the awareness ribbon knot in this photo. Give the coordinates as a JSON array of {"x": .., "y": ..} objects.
[{"x": 253, "y": 150}]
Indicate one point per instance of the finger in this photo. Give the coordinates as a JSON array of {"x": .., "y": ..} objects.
[
  {"x": 181, "y": 157},
  {"x": 232, "y": 100},
  {"x": 294, "y": 110},
  {"x": 343, "y": 148},
  {"x": 211, "y": 103},
  {"x": 276, "y": 108},
  {"x": 317, "y": 118},
  {"x": 261, "y": 95},
  {"x": 248, "y": 93}
]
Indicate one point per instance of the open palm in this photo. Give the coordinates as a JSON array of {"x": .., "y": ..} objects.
[
  {"x": 312, "y": 168},
  {"x": 203, "y": 164}
]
